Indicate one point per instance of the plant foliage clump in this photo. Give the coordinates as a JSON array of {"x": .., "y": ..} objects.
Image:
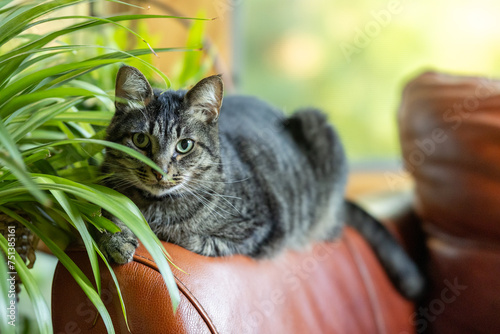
[{"x": 52, "y": 127}]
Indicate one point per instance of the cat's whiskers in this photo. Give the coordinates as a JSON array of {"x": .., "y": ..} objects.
[
  {"x": 202, "y": 200},
  {"x": 209, "y": 193},
  {"x": 214, "y": 193},
  {"x": 211, "y": 210}
]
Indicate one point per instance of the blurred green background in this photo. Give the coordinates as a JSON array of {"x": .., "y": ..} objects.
[{"x": 352, "y": 58}]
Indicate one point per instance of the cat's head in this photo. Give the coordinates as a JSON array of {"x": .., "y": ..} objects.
[{"x": 178, "y": 130}]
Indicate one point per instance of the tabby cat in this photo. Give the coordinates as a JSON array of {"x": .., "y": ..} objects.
[{"x": 239, "y": 177}]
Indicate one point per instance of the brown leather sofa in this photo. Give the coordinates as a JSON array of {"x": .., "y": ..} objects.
[{"x": 450, "y": 134}]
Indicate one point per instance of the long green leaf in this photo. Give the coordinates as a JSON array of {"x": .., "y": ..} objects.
[
  {"x": 41, "y": 135},
  {"x": 117, "y": 285},
  {"x": 72, "y": 268},
  {"x": 102, "y": 223},
  {"x": 114, "y": 53},
  {"x": 4, "y": 3},
  {"x": 40, "y": 117},
  {"x": 42, "y": 311},
  {"x": 25, "y": 99},
  {"x": 77, "y": 221},
  {"x": 5, "y": 300},
  {"x": 22, "y": 84},
  {"x": 17, "y": 23},
  {"x": 118, "y": 55},
  {"x": 53, "y": 50},
  {"x": 24, "y": 178},
  {"x": 105, "y": 20},
  {"x": 96, "y": 21},
  {"x": 10, "y": 146},
  {"x": 5, "y": 172},
  {"x": 32, "y": 62},
  {"x": 91, "y": 117},
  {"x": 106, "y": 99},
  {"x": 85, "y": 174},
  {"x": 28, "y": 109}
]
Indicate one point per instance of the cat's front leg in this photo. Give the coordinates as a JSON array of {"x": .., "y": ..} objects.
[{"x": 120, "y": 246}]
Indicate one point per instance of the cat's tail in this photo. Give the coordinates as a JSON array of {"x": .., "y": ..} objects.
[{"x": 402, "y": 271}]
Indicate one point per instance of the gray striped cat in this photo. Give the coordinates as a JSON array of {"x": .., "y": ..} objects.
[{"x": 241, "y": 178}]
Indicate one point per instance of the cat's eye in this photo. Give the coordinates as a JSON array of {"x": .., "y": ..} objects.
[
  {"x": 184, "y": 146},
  {"x": 141, "y": 140}
]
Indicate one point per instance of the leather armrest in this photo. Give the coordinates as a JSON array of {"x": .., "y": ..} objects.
[{"x": 330, "y": 288}]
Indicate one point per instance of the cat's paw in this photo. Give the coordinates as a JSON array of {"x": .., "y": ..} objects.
[{"x": 119, "y": 247}]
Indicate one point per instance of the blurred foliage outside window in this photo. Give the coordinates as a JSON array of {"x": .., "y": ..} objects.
[{"x": 352, "y": 58}]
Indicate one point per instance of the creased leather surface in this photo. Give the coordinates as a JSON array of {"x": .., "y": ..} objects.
[
  {"x": 330, "y": 288},
  {"x": 450, "y": 135}
]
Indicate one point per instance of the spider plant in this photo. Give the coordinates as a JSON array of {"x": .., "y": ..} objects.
[{"x": 51, "y": 143}]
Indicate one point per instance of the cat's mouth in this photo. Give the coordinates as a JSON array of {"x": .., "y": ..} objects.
[{"x": 167, "y": 186}]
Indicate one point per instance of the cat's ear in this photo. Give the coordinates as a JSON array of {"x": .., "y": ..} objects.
[
  {"x": 205, "y": 98},
  {"x": 132, "y": 90}
]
